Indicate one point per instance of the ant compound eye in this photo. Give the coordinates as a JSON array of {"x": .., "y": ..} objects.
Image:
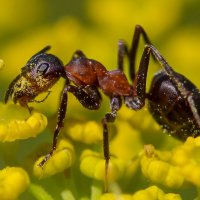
[{"x": 42, "y": 68}]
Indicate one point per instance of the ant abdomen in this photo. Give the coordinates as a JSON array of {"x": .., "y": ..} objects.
[{"x": 170, "y": 109}]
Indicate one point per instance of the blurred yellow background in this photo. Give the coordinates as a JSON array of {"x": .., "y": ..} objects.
[{"x": 95, "y": 27}]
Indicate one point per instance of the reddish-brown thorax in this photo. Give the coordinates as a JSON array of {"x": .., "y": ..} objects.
[{"x": 83, "y": 71}]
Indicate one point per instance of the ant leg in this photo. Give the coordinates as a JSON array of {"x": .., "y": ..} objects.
[
  {"x": 193, "y": 99},
  {"x": 90, "y": 99},
  {"x": 170, "y": 72},
  {"x": 40, "y": 101},
  {"x": 137, "y": 100},
  {"x": 122, "y": 51},
  {"x": 115, "y": 104},
  {"x": 60, "y": 123},
  {"x": 88, "y": 96},
  {"x": 134, "y": 46},
  {"x": 10, "y": 89}
]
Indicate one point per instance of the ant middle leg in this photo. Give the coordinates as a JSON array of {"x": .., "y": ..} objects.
[
  {"x": 90, "y": 98},
  {"x": 115, "y": 104},
  {"x": 40, "y": 101}
]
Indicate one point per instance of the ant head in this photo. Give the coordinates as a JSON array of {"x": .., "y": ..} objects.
[
  {"x": 43, "y": 65},
  {"x": 37, "y": 76}
]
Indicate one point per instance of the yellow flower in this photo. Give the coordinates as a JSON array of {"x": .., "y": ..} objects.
[
  {"x": 111, "y": 196},
  {"x": 17, "y": 123},
  {"x": 93, "y": 165},
  {"x": 88, "y": 132},
  {"x": 160, "y": 171},
  {"x": 62, "y": 158},
  {"x": 154, "y": 193},
  {"x": 186, "y": 157},
  {"x": 13, "y": 182},
  {"x": 151, "y": 193}
]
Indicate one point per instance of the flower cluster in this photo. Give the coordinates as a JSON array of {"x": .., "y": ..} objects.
[{"x": 169, "y": 169}]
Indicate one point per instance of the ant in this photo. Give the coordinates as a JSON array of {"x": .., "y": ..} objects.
[{"x": 173, "y": 100}]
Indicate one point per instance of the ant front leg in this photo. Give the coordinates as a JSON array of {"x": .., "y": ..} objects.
[
  {"x": 89, "y": 97},
  {"x": 60, "y": 124},
  {"x": 10, "y": 89},
  {"x": 40, "y": 101},
  {"x": 115, "y": 104}
]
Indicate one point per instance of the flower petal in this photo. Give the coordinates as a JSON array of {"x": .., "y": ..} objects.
[
  {"x": 186, "y": 157},
  {"x": 89, "y": 132},
  {"x": 159, "y": 171},
  {"x": 62, "y": 158},
  {"x": 13, "y": 182},
  {"x": 17, "y": 123},
  {"x": 93, "y": 165}
]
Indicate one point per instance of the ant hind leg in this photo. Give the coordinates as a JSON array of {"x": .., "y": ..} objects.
[
  {"x": 139, "y": 31},
  {"x": 122, "y": 51},
  {"x": 137, "y": 99}
]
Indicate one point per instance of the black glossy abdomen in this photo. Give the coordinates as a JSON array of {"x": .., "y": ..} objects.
[{"x": 170, "y": 109}]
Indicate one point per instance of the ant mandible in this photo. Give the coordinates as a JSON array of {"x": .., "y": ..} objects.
[{"x": 173, "y": 100}]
